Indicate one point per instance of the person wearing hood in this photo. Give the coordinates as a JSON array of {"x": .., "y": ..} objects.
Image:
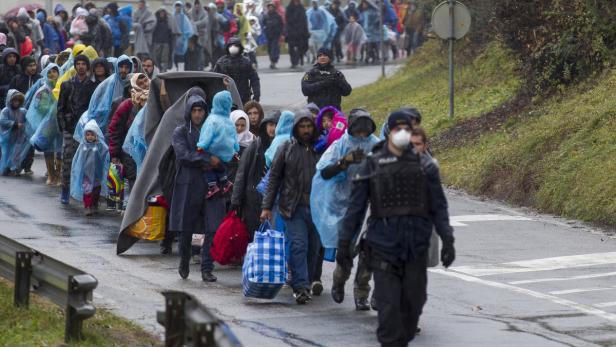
[
  {"x": 28, "y": 76},
  {"x": 122, "y": 120},
  {"x": 60, "y": 11},
  {"x": 322, "y": 27},
  {"x": 119, "y": 28},
  {"x": 331, "y": 187},
  {"x": 241, "y": 70},
  {"x": 245, "y": 199},
  {"x": 332, "y": 125},
  {"x": 273, "y": 27},
  {"x": 42, "y": 124},
  {"x": 144, "y": 22},
  {"x": 369, "y": 20},
  {"x": 324, "y": 84},
  {"x": 406, "y": 199},
  {"x": 100, "y": 70},
  {"x": 183, "y": 30},
  {"x": 75, "y": 95},
  {"x": 282, "y": 134},
  {"x": 14, "y": 139},
  {"x": 33, "y": 29},
  {"x": 162, "y": 40},
  {"x": 354, "y": 37},
  {"x": 296, "y": 32},
  {"x": 201, "y": 42},
  {"x": 99, "y": 34},
  {"x": 190, "y": 212},
  {"x": 219, "y": 139},
  {"x": 90, "y": 168},
  {"x": 8, "y": 70},
  {"x": 351, "y": 10},
  {"x": 254, "y": 110},
  {"x": 54, "y": 40},
  {"x": 291, "y": 179}
]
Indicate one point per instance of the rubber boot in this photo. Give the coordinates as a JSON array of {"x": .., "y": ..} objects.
[
  {"x": 51, "y": 169},
  {"x": 64, "y": 196}
]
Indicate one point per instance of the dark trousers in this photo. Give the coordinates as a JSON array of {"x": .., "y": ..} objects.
[
  {"x": 337, "y": 47},
  {"x": 295, "y": 53},
  {"x": 400, "y": 291},
  {"x": 130, "y": 168},
  {"x": 273, "y": 50},
  {"x": 69, "y": 147},
  {"x": 28, "y": 160},
  {"x": 361, "y": 285}
]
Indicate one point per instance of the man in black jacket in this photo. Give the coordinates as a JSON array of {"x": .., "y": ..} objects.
[
  {"x": 273, "y": 26},
  {"x": 324, "y": 85},
  {"x": 291, "y": 177},
  {"x": 296, "y": 31},
  {"x": 9, "y": 69},
  {"x": 27, "y": 77},
  {"x": 240, "y": 69},
  {"x": 406, "y": 198},
  {"x": 74, "y": 99},
  {"x": 341, "y": 21}
]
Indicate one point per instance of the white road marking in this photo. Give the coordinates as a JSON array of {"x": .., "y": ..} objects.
[
  {"x": 579, "y": 290},
  {"x": 557, "y": 279},
  {"x": 545, "y": 264},
  {"x": 555, "y": 299},
  {"x": 605, "y": 304},
  {"x": 457, "y": 221}
]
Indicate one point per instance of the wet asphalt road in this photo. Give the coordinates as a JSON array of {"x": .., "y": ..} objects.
[{"x": 521, "y": 279}]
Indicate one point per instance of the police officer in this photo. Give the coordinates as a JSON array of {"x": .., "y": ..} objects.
[
  {"x": 406, "y": 198},
  {"x": 325, "y": 85},
  {"x": 235, "y": 65}
]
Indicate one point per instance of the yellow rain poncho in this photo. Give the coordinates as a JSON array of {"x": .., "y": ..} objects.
[{"x": 243, "y": 26}]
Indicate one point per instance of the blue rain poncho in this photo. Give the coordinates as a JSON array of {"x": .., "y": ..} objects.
[
  {"x": 90, "y": 164},
  {"x": 369, "y": 20},
  {"x": 41, "y": 116},
  {"x": 329, "y": 198},
  {"x": 104, "y": 95},
  {"x": 31, "y": 91},
  {"x": 284, "y": 128},
  {"x": 218, "y": 135},
  {"x": 322, "y": 26},
  {"x": 14, "y": 142},
  {"x": 185, "y": 29},
  {"x": 135, "y": 144}
]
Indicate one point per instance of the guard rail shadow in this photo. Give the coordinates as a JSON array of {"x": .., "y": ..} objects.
[
  {"x": 188, "y": 323},
  {"x": 66, "y": 286}
]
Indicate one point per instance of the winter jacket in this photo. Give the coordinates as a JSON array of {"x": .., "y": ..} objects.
[
  {"x": 162, "y": 30},
  {"x": 189, "y": 187},
  {"x": 272, "y": 26},
  {"x": 296, "y": 29},
  {"x": 325, "y": 86},
  {"x": 121, "y": 121},
  {"x": 249, "y": 173},
  {"x": 292, "y": 171},
  {"x": 7, "y": 73},
  {"x": 23, "y": 82},
  {"x": 53, "y": 39},
  {"x": 73, "y": 102},
  {"x": 241, "y": 70}
]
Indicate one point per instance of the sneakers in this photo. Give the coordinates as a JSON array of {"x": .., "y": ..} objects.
[
  {"x": 65, "y": 196},
  {"x": 213, "y": 190},
  {"x": 361, "y": 304},
  {"x": 338, "y": 294},
  {"x": 227, "y": 188},
  {"x": 28, "y": 172},
  {"x": 302, "y": 296},
  {"x": 208, "y": 276},
  {"x": 316, "y": 288}
]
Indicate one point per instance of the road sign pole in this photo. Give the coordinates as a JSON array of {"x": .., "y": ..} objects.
[
  {"x": 382, "y": 31},
  {"x": 452, "y": 35}
]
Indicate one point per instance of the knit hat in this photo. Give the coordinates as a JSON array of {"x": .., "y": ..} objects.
[
  {"x": 398, "y": 118},
  {"x": 361, "y": 120},
  {"x": 412, "y": 112},
  {"x": 325, "y": 51},
  {"x": 84, "y": 58}
]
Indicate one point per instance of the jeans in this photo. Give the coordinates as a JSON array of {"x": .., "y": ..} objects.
[
  {"x": 69, "y": 147},
  {"x": 305, "y": 246},
  {"x": 273, "y": 50}
]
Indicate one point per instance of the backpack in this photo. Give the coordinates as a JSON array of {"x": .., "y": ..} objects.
[{"x": 230, "y": 241}]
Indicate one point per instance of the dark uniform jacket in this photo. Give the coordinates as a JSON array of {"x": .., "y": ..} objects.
[
  {"x": 240, "y": 69},
  {"x": 73, "y": 101},
  {"x": 325, "y": 86},
  {"x": 291, "y": 173},
  {"x": 398, "y": 238}
]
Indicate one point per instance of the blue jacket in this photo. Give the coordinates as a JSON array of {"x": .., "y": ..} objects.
[{"x": 218, "y": 135}]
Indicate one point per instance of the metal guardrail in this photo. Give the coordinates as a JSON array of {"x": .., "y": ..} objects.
[
  {"x": 63, "y": 284},
  {"x": 188, "y": 323}
]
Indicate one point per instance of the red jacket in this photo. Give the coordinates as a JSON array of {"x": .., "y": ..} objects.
[{"x": 118, "y": 127}]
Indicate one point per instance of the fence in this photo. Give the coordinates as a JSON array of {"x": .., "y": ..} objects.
[{"x": 63, "y": 284}]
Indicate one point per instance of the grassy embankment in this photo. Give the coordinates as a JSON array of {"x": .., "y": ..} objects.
[
  {"x": 558, "y": 155},
  {"x": 43, "y": 325}
]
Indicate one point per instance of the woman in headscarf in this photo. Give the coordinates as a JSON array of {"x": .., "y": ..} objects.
[
  {"x": 244, "y": 138},
  {"x": 134, "y": 142}
]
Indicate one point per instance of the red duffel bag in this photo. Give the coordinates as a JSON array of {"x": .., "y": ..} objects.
[{"x": 230, "y": 241}]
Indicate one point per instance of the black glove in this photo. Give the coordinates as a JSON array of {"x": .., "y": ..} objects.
[
  {"x": 343, "y": 254},
  {"x": 448, "y": 253}
]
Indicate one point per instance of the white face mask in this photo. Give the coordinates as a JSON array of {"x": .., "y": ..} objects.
[
  {"x": 234, "y": 50},
  {"x": 401, "y": 139}
]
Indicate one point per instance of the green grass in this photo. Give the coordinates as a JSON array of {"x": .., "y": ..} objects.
[
  {"x": 560, "y": 158},
  {"x": 43, "y": 325},
  {"x": 485, "y": 83}
]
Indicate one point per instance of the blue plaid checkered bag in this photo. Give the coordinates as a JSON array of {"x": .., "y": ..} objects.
[{"x": 265, "y": 270}]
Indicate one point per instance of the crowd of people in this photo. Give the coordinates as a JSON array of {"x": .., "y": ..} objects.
[{"x": 326, "y": 178}]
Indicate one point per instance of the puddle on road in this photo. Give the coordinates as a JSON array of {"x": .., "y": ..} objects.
[
  {"x": 12, "y": 211},
  {"x": 55, "y": 229}
]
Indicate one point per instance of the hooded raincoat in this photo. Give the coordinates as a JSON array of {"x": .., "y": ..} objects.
[
  {"x": 339, "y": 126},
  {"x": 283, "y": 134},
  {"x": 322, "y": 26},
  {"x": 135, "y": 144},
  {"x": 89, "y": 52},
  {"x": 144, "y": 22},
  {"x": 14, "y": 141},
  {"x": 90, "y": 164},
  {"x": 104, "y": 95},
  {"x": 218, "y": 136},
  {"x": 329, "y": 198},
  {"x": 183, "y": 29},
  {"x": 42, "y": 116}
]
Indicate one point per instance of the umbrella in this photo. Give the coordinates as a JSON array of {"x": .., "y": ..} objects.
[{"x": 29, "y": 7}]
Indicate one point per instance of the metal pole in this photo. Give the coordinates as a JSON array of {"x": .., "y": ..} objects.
[
  {"x": 382, "y": 31},
  {"x": 452, "y": 4}
]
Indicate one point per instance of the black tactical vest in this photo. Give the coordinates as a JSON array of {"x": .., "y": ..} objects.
[{"x": 398, "y": 187}]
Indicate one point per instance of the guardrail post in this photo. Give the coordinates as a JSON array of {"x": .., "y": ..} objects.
[
  {"x": 203, "y": 335},
  {"x": 23, "y": 270},
  {"x": 79, "y": 304},
  {"x": 173, "y": 319}
]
